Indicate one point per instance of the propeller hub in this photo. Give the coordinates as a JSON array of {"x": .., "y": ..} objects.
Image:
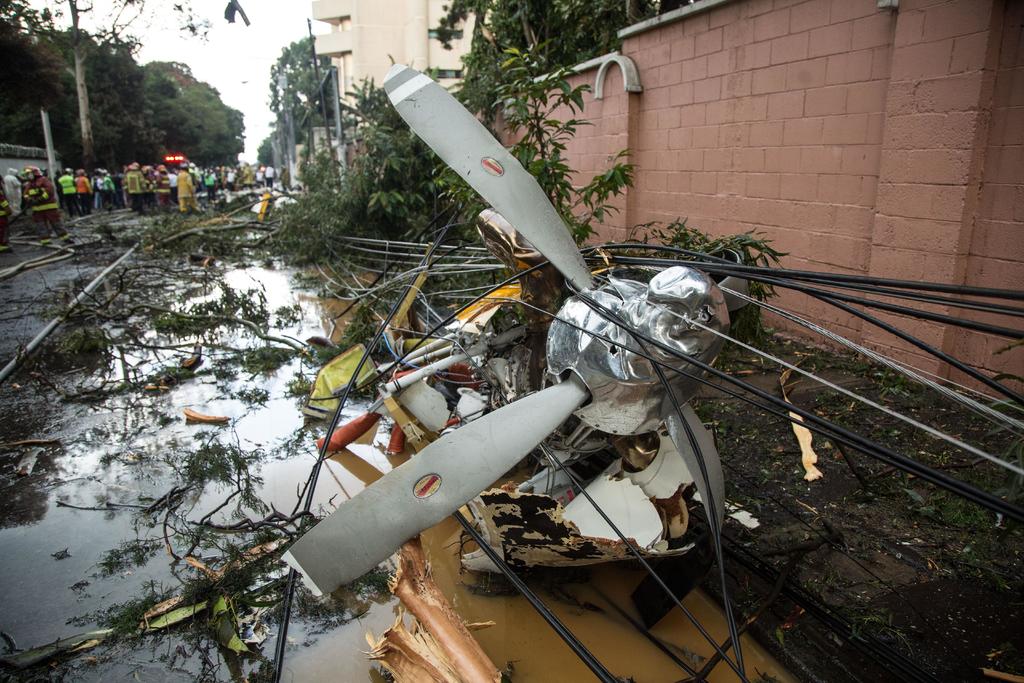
[{"x": 626, "y": 392}]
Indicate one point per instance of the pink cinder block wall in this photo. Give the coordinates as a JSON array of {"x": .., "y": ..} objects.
[{"x": 860, "y": 140}]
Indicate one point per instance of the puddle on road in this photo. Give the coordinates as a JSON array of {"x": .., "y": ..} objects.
[{"x": 117, "y": 453}]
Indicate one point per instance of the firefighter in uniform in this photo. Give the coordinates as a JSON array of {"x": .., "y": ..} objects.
[
  {"x": 163, "y": 187},
  {"x": 40, "y": 195},
  {"x": 186, "y": 191},
  {"x": 133, "y": 183}
]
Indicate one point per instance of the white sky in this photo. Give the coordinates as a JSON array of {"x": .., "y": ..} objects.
[{"x": 235, "y": 59}]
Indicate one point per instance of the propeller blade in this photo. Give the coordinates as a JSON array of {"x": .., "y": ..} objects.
[
  {"x": 706, "y": 444},
  {"x": 445, "y": 475},
  {"x": 470, "y": 150},
  {"x": 734, "y": 284}
]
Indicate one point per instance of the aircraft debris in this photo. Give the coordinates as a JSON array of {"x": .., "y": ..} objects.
[
  {"x": 808, "y": 456},
  {"x": 27, "y": 463},
  {"x": 196, "y": 416},
  {"x": 195, "y": 360},
  {"x": 333, "y": 378}
]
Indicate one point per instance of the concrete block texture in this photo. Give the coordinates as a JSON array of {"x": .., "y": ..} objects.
[{"x": 859, "y": 139}]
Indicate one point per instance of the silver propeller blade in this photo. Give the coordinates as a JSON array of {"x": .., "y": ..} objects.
[
  {"x": 734, "y": 284},
  {"x": 365, "y": 530},
  {"x": 470, "y": 150},
  {"x": 715, "y": 483}
]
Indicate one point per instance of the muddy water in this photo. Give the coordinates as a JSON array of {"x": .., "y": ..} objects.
[{"x": 115, "y": 452}]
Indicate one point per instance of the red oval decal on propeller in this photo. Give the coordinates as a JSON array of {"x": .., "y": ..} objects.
[
  {"x": 427, "y": 486},
  {"x": 492, "y": 166}
]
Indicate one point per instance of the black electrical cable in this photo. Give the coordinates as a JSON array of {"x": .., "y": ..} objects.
[
  {"x": 848, "y": 438},
  {"x": 894, "y": 308},
  {"x": 827, "y": 297},
  {"x": 735, "y": 666},
  {"x": 564, "y": 633},
  {"x": 781, "y": 413},
  {"x": 817, "y": 275},
  {"x": 901, "y": 663},
  {"x": 936, "y": 299}
]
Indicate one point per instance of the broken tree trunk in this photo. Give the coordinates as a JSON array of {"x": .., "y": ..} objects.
[{"x": 444, "y": 647}]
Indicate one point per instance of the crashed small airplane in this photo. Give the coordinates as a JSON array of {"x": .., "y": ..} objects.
[{"x": 592, "y": 384}]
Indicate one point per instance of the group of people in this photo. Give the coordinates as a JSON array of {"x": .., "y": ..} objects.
[
  {"x": 80, "y": 194},
  {"x": 143, "y": 188},
  {"x": 148, "y": 187}
]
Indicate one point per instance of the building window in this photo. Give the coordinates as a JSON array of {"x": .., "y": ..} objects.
[
  {"x": 456, "y": 34},
  {"x": 449, "y": 73}
]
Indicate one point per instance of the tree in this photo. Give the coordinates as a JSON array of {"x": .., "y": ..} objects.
[
  {"x": 138, "y": 114},
  {"x": 559, "y": 33},
  {"x": 111, "y": 28},
  {"x": 265, "y": 153},
  {"x": 303, "y": 90},
  {"x": 191, "y": 115},
  {"x": 32, "y": 68}
]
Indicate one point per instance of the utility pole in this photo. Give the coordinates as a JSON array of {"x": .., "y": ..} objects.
[
  {"x": 339, "y": 131},
  {"x": 288, "y": 132},
  {"x": 316, "y": 72},
  {"x": 51, "y": 158}
]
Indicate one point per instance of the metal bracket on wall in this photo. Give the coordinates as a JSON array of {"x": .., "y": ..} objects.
[{"x": 889, "y": 4}]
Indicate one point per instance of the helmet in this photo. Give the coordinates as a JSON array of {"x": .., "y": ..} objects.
[
  {"x": 162, "y": 168},
  {"x": 32, "y": 172},
  {"x": 134, "y": 166},
  {"x": 68, "y": 170},
  {"x": 80, "y": 171}
]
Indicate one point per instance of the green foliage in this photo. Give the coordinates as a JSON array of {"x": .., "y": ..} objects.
[
  {"x": 534, "y": 96},
  {"x": 28, "y": 61},
  {"x": 128, "y": 555},
  {"x": 253, "y": 395},
  {"x": 265, "y": 359},
  {"x": 190, "y": 115},
  {"x": 388, "y": 190},
  {"x": 302, "y": 95},
  {"x": 88, "y": 339},
  {"x": 752, "y": 250},
  {"x": 225, "y": 464},
  {"x": 138, "y": 112},
  {"x": 561, "y": 33},
  {"x": 265, "y": 152},
  {"x": 299, "y": 385}
]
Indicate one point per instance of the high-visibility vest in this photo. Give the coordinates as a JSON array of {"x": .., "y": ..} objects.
[
  {"x": 5, "y": 206},
  {"x": 83, "y": 185},
  {"x": 41, "y": 196},
  {"x": 133, "y": 181},
  {"x": 163, "y": 185},
  {"x": 67, "y": 184}
]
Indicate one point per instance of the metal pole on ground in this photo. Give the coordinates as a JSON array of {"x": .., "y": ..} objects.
[
  {"x": 9, "y": 369},
  {"x": 51, "y": 158}
]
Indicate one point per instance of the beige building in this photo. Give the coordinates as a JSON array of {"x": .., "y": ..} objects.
[{"x": 368, "y": 36}]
